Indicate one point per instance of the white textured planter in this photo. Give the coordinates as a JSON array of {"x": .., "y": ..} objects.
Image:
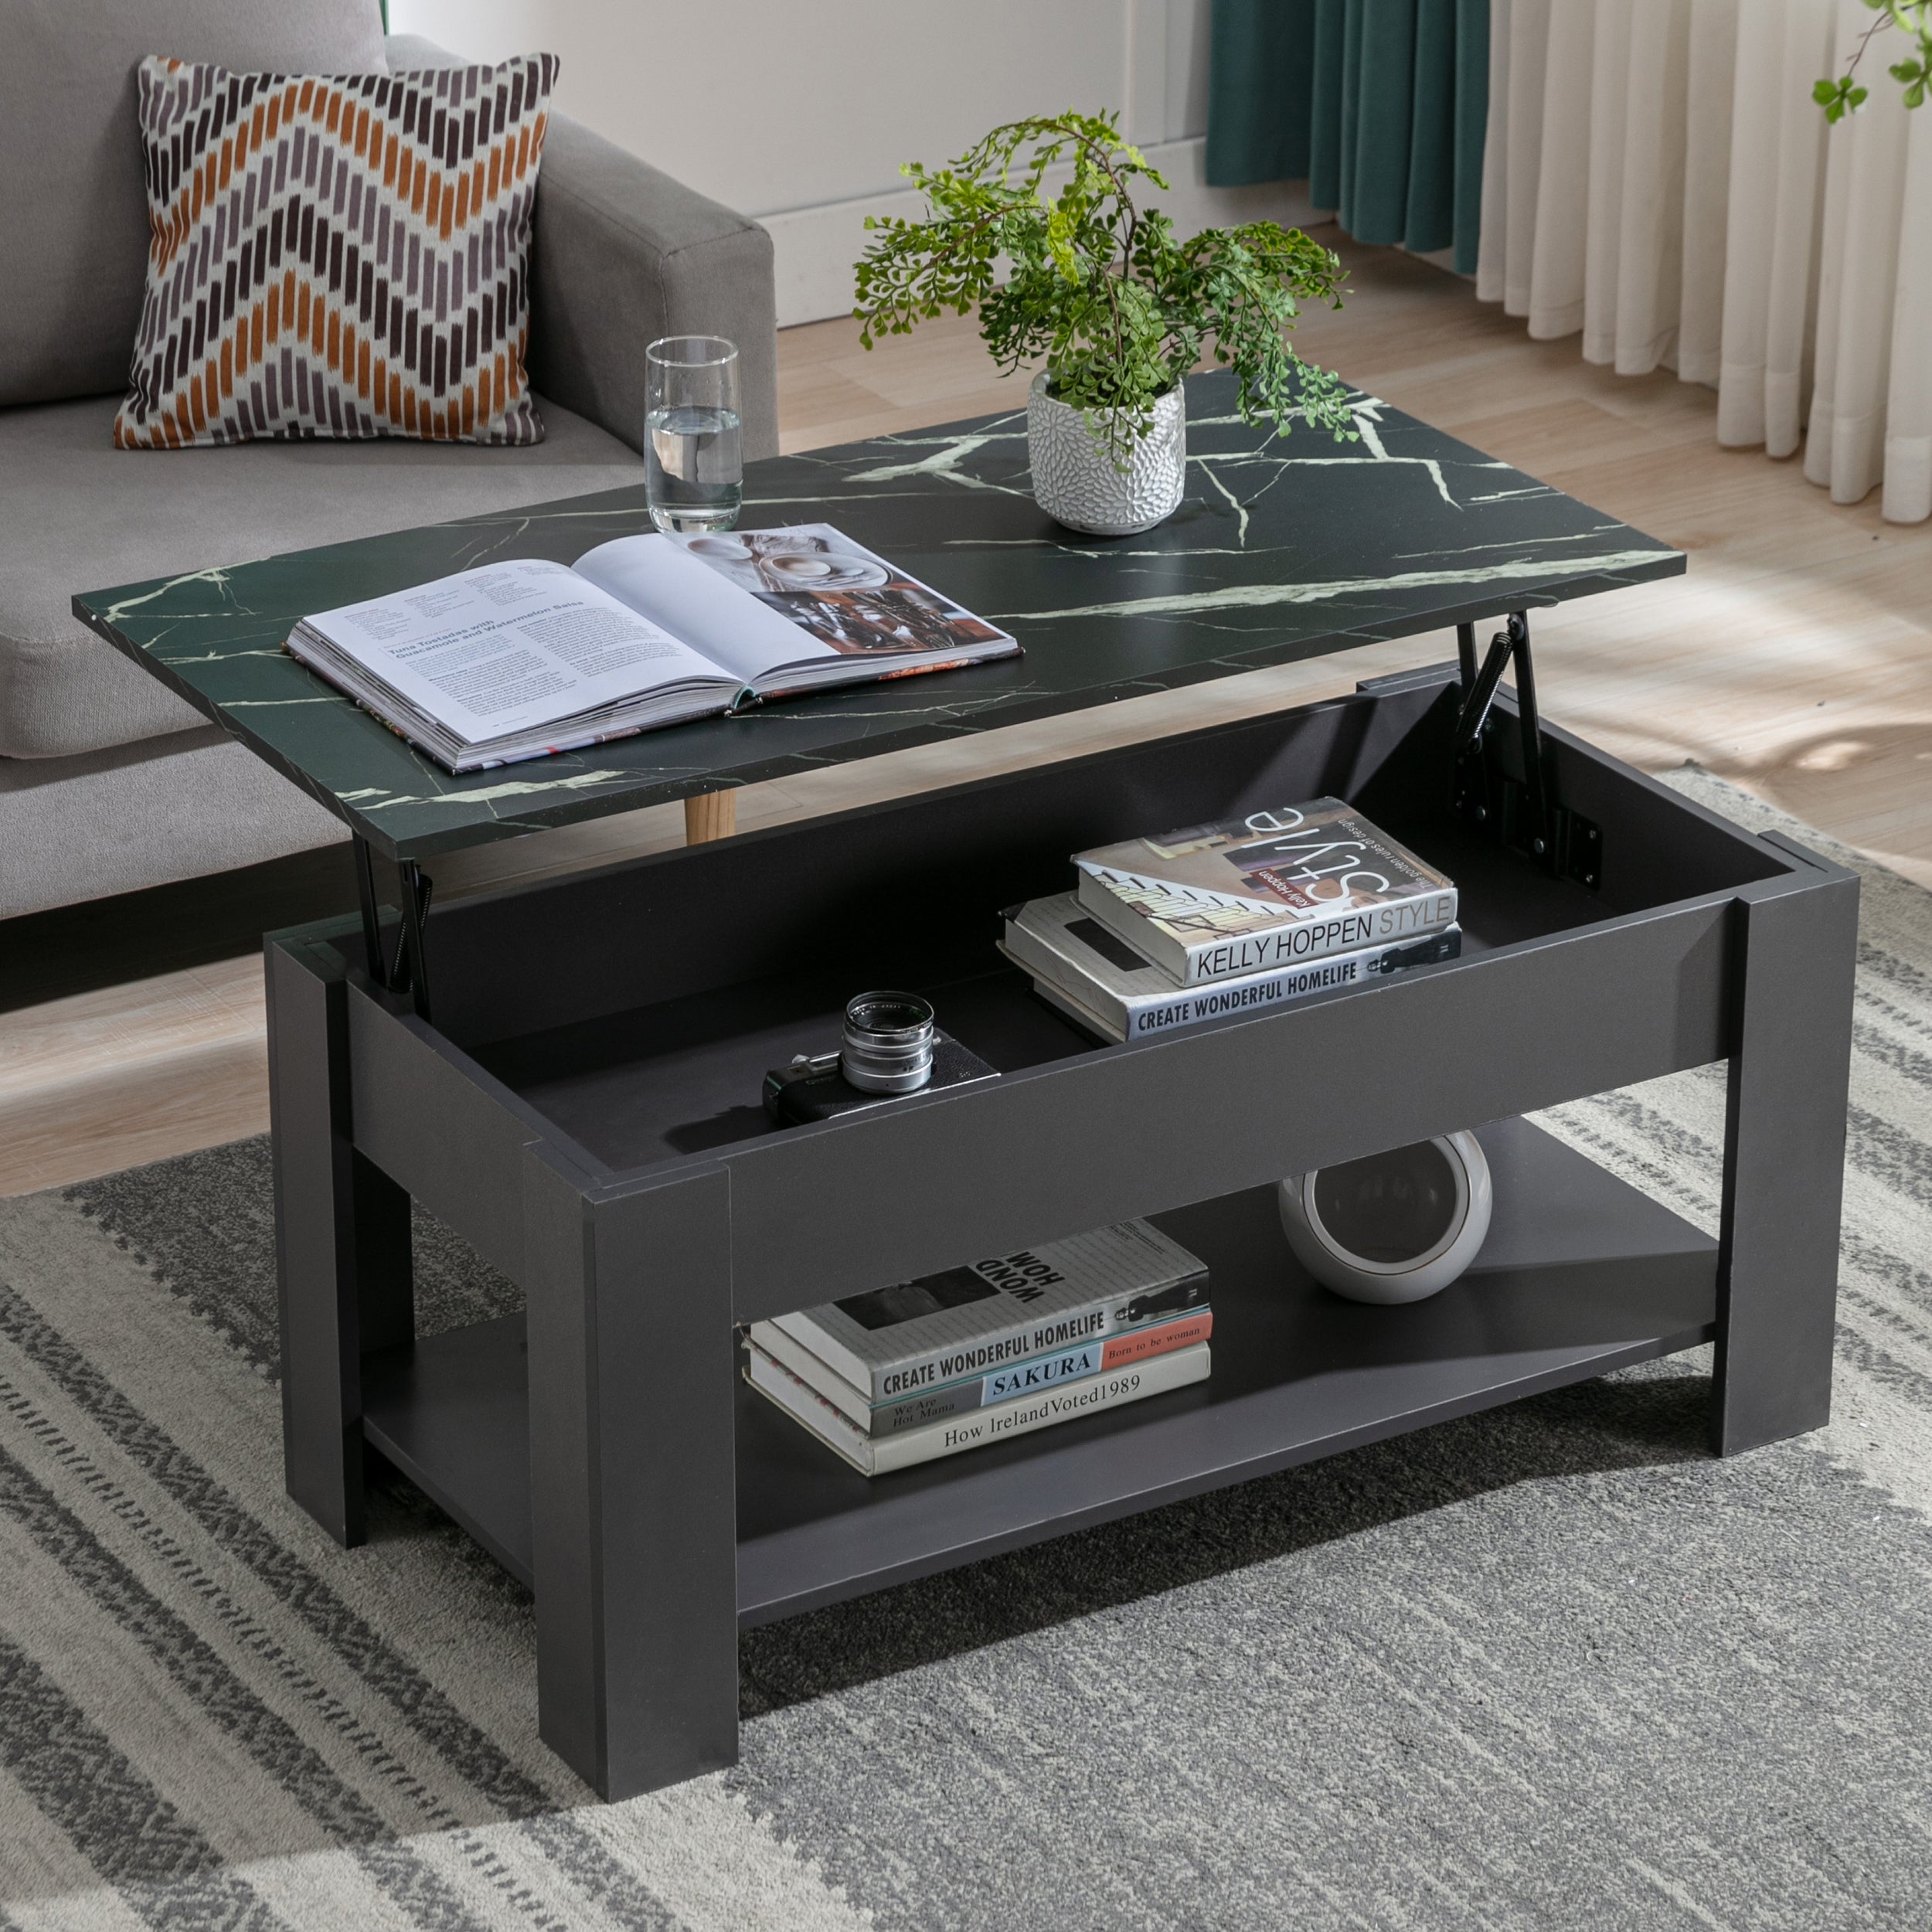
[{"x": 1074, "y": 479}]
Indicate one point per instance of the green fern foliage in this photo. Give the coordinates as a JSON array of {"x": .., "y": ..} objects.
[{"x": 1118, "y": 304}]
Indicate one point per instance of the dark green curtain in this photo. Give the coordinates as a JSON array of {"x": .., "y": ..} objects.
[{"x": 1381, "y": 104}]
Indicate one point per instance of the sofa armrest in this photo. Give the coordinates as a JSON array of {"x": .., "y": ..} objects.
[{"x": 624, "y": 254}]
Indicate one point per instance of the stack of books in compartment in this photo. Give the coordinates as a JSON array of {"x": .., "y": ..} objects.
[
  {"x": 982, "y": 1354},
  {"x": 1236, "y": 918}
]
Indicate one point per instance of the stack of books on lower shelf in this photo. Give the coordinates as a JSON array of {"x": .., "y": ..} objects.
[
  {"x": 1233, "y": 917},
  {"x": 984, "y": 1353}
]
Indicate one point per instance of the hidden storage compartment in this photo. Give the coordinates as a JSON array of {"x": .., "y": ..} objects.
[{"x": 638, "y": 1007}]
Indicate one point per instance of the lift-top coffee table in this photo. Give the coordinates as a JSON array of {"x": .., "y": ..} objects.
[{"x": 568, "y": 1073}]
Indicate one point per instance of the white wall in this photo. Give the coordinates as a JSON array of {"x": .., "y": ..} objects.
[{"x": 800, "y": 111}]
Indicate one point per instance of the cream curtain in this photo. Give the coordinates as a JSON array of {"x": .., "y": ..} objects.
[{"x": 1657, "y": 176}]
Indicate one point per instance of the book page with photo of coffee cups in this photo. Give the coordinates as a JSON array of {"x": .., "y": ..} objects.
[
  {"x": 805, "y": 600},
  {"x": 654, "y": 575}
]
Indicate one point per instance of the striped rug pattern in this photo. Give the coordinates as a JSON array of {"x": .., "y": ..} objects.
[
  {"x": 1552, "y": 1666},
  {"x": 336, "y": 256},
  {"x": 1668, "y": 1137}
]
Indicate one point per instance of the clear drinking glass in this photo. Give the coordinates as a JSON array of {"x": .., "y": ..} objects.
[{"x": 693, "y": 444}]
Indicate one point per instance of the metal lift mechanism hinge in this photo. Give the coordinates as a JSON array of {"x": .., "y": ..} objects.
[
  {"x": 1521, "y": 813},
  {"x": 406, "y": 969}
]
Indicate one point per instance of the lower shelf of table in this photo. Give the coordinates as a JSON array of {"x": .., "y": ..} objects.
[{"x": 1580, "y": 1274}]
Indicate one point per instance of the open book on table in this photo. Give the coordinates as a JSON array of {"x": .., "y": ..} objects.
[{"x": 515, "y": 660}]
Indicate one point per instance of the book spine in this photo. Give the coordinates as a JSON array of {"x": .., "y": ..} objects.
[
  {"x": 1114, "y": 1390},
  {"x": 1163, "y": 1338},
  {"x": 1092, "y": 1320},
  {"x": 1288, "y": 942},
  {"x": 1144, "y": 1017},
  {"x": 1043, "y": 1372},
  {"x": 1133, "y": 1383}
]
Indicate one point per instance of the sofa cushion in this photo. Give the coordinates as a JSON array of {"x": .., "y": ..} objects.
[
  {"x": 80, "y": 514},
  {"x": 337, "y": 256},
  {"x": 174, "y": 807},
  {"x": 74, "y": 220}
]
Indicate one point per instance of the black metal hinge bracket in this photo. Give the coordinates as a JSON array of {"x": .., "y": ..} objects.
[
  {"x": 403, "y": 968},
  {"x": 1521, "y": 813}
]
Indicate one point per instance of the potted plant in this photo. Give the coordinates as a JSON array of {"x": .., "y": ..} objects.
[{"x": 1118, "y": 305}]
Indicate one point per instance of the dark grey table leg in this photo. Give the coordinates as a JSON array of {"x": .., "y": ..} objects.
[
  {"x": 633, "y": 1497},
  {"x": 342, "y": 1240},
  {"x": 1784, "y": 1164}
]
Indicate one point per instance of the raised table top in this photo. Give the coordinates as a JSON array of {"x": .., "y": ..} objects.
[{"x": 1281, "y": 550}]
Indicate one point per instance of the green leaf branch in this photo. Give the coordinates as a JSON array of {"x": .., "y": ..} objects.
[
  {"x": 1841, "y": 95},
  {"x": 1119, "y": 307}
]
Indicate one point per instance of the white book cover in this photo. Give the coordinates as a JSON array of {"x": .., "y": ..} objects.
[
  {"x": 1275, "y": 888},
  {"x": 901, "y": 1340},
  {"x": 979, "y": 1427},
  {"x": 1127, "y": 998}
]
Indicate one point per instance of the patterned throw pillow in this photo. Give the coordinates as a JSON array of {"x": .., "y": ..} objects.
[{"x": 336, "y": 256}]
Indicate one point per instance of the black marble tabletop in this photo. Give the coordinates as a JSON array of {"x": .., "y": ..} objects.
[{"x": 1282, "y": 549}]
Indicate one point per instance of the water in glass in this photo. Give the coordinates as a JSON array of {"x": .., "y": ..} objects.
[
  {"x": 695, "y": 472},
  {"x": 694, "y": 451}
]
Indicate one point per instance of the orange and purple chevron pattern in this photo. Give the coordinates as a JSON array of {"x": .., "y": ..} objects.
[{"x": 336, "y": 256}]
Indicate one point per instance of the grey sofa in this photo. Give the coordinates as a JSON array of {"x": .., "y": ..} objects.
[{"x": 107, "y": 782}]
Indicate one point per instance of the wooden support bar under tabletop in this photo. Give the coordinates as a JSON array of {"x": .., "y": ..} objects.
[{"x": 709, "y": 815}]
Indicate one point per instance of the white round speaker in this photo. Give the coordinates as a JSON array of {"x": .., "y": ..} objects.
[{"x": 1398, "y": 1226}]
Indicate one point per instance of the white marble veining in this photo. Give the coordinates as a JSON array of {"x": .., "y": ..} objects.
[
  {"x": 1255, "y": 596},
  {"x": 1282, "y": 548}
]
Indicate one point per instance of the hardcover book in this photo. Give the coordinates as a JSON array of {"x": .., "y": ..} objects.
[
  {"x": 897, "y": 1342},
  {"x": 999, "y": 1385},
  {"x": 1079, "y": 963},
  {"x": 520, "y": 658},
  {"x": 1276, "y": 888},
  {"x": 877, "y": 1457}
]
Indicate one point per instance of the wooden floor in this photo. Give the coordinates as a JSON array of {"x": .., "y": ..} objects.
[{"x": 1796, "y": 660}]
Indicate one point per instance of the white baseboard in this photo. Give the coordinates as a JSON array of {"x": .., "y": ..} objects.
[{"x": 815, "y": 247}]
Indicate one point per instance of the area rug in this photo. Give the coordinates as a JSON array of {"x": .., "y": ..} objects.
[{"x": 1552, "y": 1666}]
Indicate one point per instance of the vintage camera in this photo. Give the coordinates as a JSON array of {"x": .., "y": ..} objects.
[{"x": 891, "y": 1045}]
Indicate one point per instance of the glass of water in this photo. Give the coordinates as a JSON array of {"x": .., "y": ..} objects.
[{"x": 693, "y": 446}]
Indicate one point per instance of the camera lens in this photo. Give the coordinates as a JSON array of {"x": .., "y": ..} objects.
[{"x": 888, "y": 1043}]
